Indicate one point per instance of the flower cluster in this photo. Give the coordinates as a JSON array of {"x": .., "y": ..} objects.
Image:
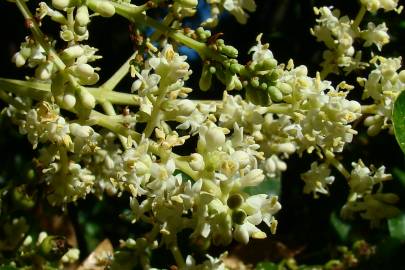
[
  {"x": 186, "y": 165},
  {"x": 372, "y": 205}
]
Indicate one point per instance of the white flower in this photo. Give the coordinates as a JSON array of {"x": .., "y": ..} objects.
[
  {"x": 375, "y": 35},
  {"x": 362, "y": 179},
  {"x": 374, "y": 5},
  {"x": 211, "y": 138},
  {"x": 170, "y": 66},
  {"x": 236, "y": 8},
  {"x": 317, "y": 179}
]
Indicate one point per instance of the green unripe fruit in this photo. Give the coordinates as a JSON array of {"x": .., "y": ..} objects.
[
  {"x": 238, "y": 216},
  {"x": 234, "y": 201},
  {"x": 53, "y": 247}
]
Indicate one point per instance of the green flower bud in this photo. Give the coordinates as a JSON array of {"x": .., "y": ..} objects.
[
  {"x": 275, "y": 75},
  {"x": 82, "y": 16},
  {"x": 238, "y": 216},
  {"x": 21, "y": 199},
  {"x": 255, "y": 82},
  {"x": 275, "y": 94},
  {"x": 285, "y": 88},
  {"x": 104, "y": 8},
  {"x": 269, "y": 63},
  {"x": 58, "y": 17},
  {"x": 80, "y": 30},
  {"x": 229, "y": 51},
  {"x": 72, "y": 52},
  {"x": 234, "y": 201},
  {"x": 206, "y": 78},
  {"x": 236, "y": 68},
  {"x": 53, "y": 247}
]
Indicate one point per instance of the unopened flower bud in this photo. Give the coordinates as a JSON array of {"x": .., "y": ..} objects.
[
  {"x": 69, "y": 101},
  {"x": 72, "y": 52},
  {"x": 229, "y": 51},
  {"x": 80, "y": 131},
  {"x": 82, "y": 16},
  {"x": 197, "y": 162},
  {"x": 104, "y": 8},
  {"x": 214, "y": 138},
  {"x": 61, "y": 4},
  {"x": 206, "y": 78},
  {"x": 275, "y": 94},
  {"x": 86, "y": 99},
  {"x": 19, "y": 59},
  {"x": 84, "y": 70}
]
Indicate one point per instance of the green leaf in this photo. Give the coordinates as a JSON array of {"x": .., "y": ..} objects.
[
  {"x": 266, "y": 266},
  {"x": 398, "y": 120},
  {"x": 400, "y": 175},
  {"x": 396, "y": 227},
  {"x": 342, "y": 228},
  {"x": 269, "y": 186}
]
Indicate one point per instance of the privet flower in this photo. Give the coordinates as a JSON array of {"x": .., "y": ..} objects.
[{"x": 317, "y": 179}]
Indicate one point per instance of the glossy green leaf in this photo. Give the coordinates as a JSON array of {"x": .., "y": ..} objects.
[
  {"x": 396, "y": 227},
  {"x": 398, "y": 119},
  {"x": 342, "y": 228}
]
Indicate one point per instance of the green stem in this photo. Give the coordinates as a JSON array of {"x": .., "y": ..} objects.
[
  {"x": 117, "y": 128},
  {"x": 154, "y": 117},
  {"x": 136, "y": 16},
  {"x": 109, "y": 109},
  {"x": 39, "y": 91},
  {"x": 64, "y": 160},
  {"x": 339, "y": 166},
  {"x": 38, "y": 35},
  {"x": 359, "y": 18},
  {"x": 178, "y": 257},
  {"x": 112, "y": 82},
  {"x": 369, "y": 109},
  {"x": 8, "y": 99}
]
